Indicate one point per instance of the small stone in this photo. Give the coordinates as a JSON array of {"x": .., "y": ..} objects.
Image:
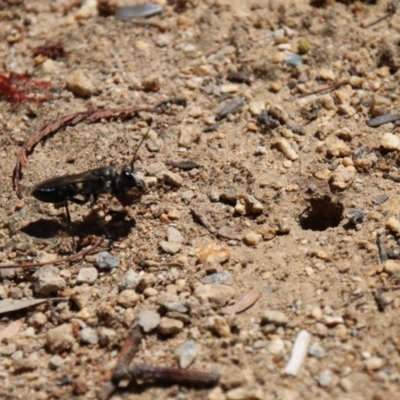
[
  {"x": 169, "y": 326},
  {"x": 173, "y": 235},
  {"x": 48, "y": 280},
  {"x": 286, "y": 148},
  {"x": 203, "y": 70},
  {"x": 87, "y": 275},
  {"x": 219, "y": 326},
  {"x": 317, "y": 313},
  {"x": 170, "y": 247},
  {"x": 172, "y": 178},
  {"x": 252, "y": 238},
  {"x": 187, "y": 353},
  {"x": 214, "y": 295},
  {"x": 170, "y": 301},
  {"x": 380, "y": 105},
  {"x": 148, "y": 280},
  {"x": 279, "y": 113},
  {"x": 277, "y": 318},
  {"x": 7, "y": 273},
  {"x": 337, "y": 148},
  {"x": 105, "y": 261},
  {"x": 130, "y": 280},
  {"x": 324, "y": 379},
  {"x": 346, "y": 385},
  {"x": 148, "y": 320},
  {"x": 333, "y": 320},
  {"x": 267, "y": 232},
  {"x": 224, "y": 278},
  {"x": 88, "y": 336},
  {"x": 79, "y": 84},
  {"x": 56, "y": 362},
  {"x": 29, "y": 363},
  {"x": 60, "y": 339},
  {"x": 253, "y": 206},
  {"x": 80, "y": 386},
  {"x": 342, "y": 177},
  {"x": 392, "y": 267},
  {"x": 128, "y": 298},
  {"x": 323, "y": 174},
  {"x": 276, "y": 345},
  {"x": 213, "y": 253},
  {"x": 256, "y": 107},
  {"x": 253, "y": 392},
  {"x": 216, "y": 394},
  {"x": 106, "y": 336},
  {"x": 38, "y": 320},
  {"x": 187, "y": 196},
  {"x": 80, "y": 295},
  {"x": 390, "y": 141},
  {"x": 317, "y": 351},
  {"x": 187, "y": 135},
  {"x": 151, "y": 84}
]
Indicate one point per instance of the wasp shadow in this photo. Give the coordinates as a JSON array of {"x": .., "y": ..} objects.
[
  {"x": 43, "y": 228},
  {"x": 118, "y": 227}
]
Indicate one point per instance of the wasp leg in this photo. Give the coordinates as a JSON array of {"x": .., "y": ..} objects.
[
  {"x": 76, "y": 201},
  {"x": 70, "y": 226}
]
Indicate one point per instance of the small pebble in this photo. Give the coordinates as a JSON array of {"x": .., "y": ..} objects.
[
  {"x": 60, "y": 339},
  {"x": 252, "y": 238},
  {"x": 87, "y": 275},
  {"x": 173, "y": 235},
  {"x": 390, "y": 141},
  {"x": 106, "y": 336},
  {"x": 170, "y": 247},
  {"x": 88, "y": 336},
  {"x": 80, "y": 295},
  {"x": 337, "y": 147},
  {"x": 324, "y": 379},
  {"x": 256, "y": 107},
  {"x": 48, "y": 280},
  {"x": 79, "y": 84},
  {"x": 56, "y": 362},
  {"x": 374, "y": 363},
  {"x": 130, "y": 280},
  {"x": 138, "y": 11},
  {"x": 218, "y": 278},
  {"x": 251, "y": 392},
  {"x": 172, "y": 178},
  {"x": 187, "y": 353},
  {"x": 38, "y": 320},
  {"x": 169, "y": 326},
  {"x": 342, "y": 177},
  {"x": 219, "y": 326},
  {"x": 393, "y": 224},
  {"x": 317, "y": 351},
  {"x": 286, "y": 148},
  {"x": 276, "y": 345},
  {"x": 105, "y": 261},
  {"x": 277, "y": 318},
  {"x": 148, "y": 320},
  {"x": 214, "y": 295},
  {"x": 128, "y": 298}
]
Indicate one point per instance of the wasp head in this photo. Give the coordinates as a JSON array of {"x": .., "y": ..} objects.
[{"x": 129, "y": 179}]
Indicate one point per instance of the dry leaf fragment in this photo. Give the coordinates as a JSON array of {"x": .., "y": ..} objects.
[
  {"x": 11, "y": 329},
  {"x": 8, "y": 305},
  {"x": 247, "y": 300}
]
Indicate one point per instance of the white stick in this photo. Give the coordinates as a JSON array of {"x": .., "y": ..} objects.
[{"x": 299, "y": 353}]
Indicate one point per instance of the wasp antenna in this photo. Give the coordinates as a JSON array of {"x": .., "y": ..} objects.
[{"x": 139, "y": 145}]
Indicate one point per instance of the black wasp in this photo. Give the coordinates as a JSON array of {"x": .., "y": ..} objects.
[{"x": 88, "y": 185}]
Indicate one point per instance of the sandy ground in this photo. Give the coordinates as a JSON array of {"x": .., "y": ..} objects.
[{"x": 278, "y": 182}]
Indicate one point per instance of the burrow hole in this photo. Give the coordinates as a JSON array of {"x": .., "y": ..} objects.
[{"x": 321, "y": 214}]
